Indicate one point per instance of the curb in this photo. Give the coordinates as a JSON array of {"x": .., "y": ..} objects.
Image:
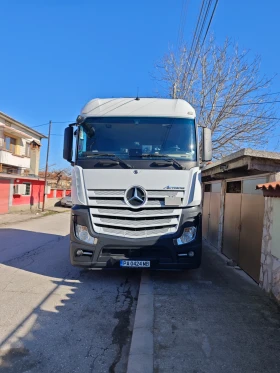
[{"x": 141, "y": 354}]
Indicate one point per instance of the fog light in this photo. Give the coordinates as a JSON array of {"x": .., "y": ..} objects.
[
  {"x": 81, "y": 252},
  {"x": 187, "y": 236},
  {"x": 83, "y": 234},
  {"x": 191, "y": 253}
]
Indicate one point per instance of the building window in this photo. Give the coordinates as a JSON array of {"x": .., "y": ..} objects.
[
  {"x": 234, "y": 187},
  {"x": 27, "y": 189},
  {"x": 207, "y": 188},
  {"x": 27, "y": 149},
  {"x": 10, "y": 144}
]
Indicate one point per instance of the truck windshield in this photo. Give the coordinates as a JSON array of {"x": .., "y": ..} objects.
[{"x": 134, "y": 137}]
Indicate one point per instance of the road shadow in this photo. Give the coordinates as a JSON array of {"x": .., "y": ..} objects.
[
  {"x": 214, "y": 319},
  {"x": 58, "y": 318}
]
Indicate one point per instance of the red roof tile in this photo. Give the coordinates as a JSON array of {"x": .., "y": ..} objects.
[{"x": 269, "y": 186}]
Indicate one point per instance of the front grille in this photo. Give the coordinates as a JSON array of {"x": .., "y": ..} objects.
[
  {"x": 120, "y": 202},
  {"x": 111, "y": 215},
  {"x": 146, "y": 253},
  {"x": 120, "y": 193},
  {"x": 135, "y": 223}
]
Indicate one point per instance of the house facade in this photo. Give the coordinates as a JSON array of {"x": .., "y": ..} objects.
[
  {"x": 20, "y": 185},
  {"x": 19, "y": 147}
]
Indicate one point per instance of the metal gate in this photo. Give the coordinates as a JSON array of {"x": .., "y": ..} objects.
[
  {"x": 252, "y": 211},
  {"x": 211, "y": 214},
  {"x": 232, "y": 226},
  {"x": 205, "y": 214},
  {"x": 214, "y": 213},
  {"x": 243, "y": 227}
]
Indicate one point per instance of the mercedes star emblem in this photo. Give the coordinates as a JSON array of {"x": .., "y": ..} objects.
[{"x": 135, "y": 197}]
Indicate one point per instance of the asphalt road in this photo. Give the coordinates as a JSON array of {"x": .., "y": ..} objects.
[{"x": 57, "y": 318}]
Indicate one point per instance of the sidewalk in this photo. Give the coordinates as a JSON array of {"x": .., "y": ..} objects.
[
  {"x": 214, "y": 320},
  {"x": 17, "y": 217}
]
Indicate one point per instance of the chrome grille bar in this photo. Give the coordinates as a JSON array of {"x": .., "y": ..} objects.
[{"x": 112, "y": 216}]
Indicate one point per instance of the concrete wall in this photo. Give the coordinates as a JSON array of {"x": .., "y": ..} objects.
[
  {"x": 4, "y": 195},
  {"x": 34, "y": 159},
  {"x": 270, "y": 257},
  {"x": 50, "y": 202},
  {"x": 1, "y": 135},
  {"x": 10, "y": 202}
]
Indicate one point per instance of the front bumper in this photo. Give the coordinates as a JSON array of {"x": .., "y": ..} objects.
[{"x": 160, "y": 251}]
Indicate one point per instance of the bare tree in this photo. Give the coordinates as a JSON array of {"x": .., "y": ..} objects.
[
  {"x": 227, "y": 91},
  {"x": 58, "y": 178}
]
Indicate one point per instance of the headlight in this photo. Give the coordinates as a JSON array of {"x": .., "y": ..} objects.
[
  {"x": 187, "y": 236},
  {"x": 83, "y": 234},
  {"x": 78, "y": 187}
]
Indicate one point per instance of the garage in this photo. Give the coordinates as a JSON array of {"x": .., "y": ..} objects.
[{"x": 233, "y": 209}]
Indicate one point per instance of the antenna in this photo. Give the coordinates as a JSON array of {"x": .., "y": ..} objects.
[{"x": 137, "y": 97}]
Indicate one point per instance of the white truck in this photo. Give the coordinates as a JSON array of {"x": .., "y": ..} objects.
[{"x": 136, "y": 187}]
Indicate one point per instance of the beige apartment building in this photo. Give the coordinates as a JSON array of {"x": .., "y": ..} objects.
[{"x": 19, "y": 147}]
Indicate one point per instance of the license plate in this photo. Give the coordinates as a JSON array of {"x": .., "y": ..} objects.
[{"x": 135, "y": 263}]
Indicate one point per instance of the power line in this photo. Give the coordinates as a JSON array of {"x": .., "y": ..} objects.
[
  {"x": 245, "y": 104},
  {"x": 67, "y": 121},
  {"x": 206, "y": 11},
  {"x": 269, "y": 94},
  {"x": 208, "y": 27},
  {"x": 182, "y": 23},
  {"x": 46, "y": 124},
  {"x": 247, "y": 115},
  {"x": 209, "y": 24},
  {"x": 47, "y": 161},
  {"x": 253, "y": 116},
  {"x": 197, "y": 25},
  {"x": 40, "y": 125}
]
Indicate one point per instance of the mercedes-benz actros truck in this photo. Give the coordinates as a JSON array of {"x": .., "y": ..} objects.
[{"x": 136, "y": 183}]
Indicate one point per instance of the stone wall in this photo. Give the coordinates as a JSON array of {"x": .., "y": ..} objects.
[{"x": 270, "y": 264}]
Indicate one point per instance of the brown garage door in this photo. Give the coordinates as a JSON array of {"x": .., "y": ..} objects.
[
  {"x": 205, "y": 214},
  {"x": 213, "y": 229},
  {"x": 231, "y": 226},
  {"x": 252, "y": 211},
  {"x": 243, "y": 225},
  {"x": 211, "y": 213}
]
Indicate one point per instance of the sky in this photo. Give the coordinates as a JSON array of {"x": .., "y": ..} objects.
[{"x": 57, "y": 55}]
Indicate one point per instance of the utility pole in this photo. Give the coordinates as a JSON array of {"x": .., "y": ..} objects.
[
  {"x": 174, "y": 93},
  {"x": 46, "y": 169}
]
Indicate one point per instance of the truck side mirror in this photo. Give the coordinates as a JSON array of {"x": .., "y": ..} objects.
[
  {"x": 206, "y": 145},
  {"x": 68, "y": 144}
]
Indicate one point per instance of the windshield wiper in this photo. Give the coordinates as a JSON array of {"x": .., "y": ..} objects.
[
  {"x": 166, "y": 157},
  {"x": 112, "y": 155}
]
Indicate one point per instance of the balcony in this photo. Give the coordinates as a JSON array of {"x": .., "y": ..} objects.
[{"x": 7, "y": 158}]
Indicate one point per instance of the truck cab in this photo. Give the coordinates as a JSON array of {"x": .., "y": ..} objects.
[{"x": 136, "y": 184}]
